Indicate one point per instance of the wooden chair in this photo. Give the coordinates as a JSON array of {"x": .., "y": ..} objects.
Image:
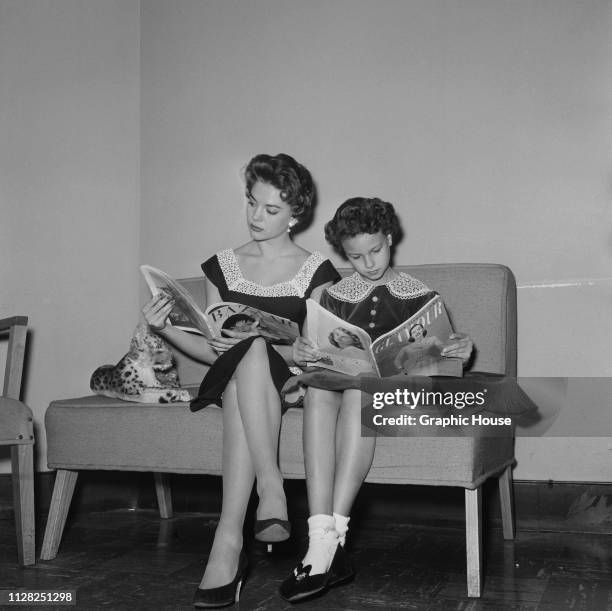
[{"x": 16, "y": 431}]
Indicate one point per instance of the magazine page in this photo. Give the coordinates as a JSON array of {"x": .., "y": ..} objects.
[
  {"x": 343, "y": 347},
  {"x": 414, "y": 347},
  {"x": 185, "y": 314},
  {"x": 239, "y": 317}
]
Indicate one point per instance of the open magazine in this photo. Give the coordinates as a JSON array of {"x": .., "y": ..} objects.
[
  {"x": 413, "y": 347},
  {"x": 187, "y": 315}
]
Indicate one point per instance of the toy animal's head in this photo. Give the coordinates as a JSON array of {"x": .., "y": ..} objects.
[{"x": 150, "y": 350}]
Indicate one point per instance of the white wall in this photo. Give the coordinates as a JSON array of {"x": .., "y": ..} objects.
[
  {"x": 69, "y": 187},
  {"x": 488, "y": 123},
  {"x": 125, "y": 125}
]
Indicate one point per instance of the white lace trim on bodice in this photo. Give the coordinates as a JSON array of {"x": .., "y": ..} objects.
[
  {"x": 354, "y": 289},
  {"x": 296, "y": 287}
]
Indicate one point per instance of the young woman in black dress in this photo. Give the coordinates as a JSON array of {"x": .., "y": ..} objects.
[{"x": 271, "y": 273}]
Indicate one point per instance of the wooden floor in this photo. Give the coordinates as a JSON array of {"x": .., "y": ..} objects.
[{"x": 133, "y": 560}]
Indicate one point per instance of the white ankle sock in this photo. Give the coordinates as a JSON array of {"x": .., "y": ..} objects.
[
  {"x": 322, "y": 543},
  {"x": 341, "y": 523}
]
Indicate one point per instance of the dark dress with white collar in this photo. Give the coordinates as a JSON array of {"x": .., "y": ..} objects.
[
  {"x": 286, "y": 299},
  {"x": 376, "y": 309}
]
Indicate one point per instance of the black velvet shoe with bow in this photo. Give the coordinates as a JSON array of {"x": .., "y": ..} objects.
[{"x": 301, "y": 585}]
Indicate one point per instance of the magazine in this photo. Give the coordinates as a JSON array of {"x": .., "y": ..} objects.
[
  {"x": 239, "y": 317},
  {"x": 188, "y": 316},
  {"x": 413, "y": 347}
]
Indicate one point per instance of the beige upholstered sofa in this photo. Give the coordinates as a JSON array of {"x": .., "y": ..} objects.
[{"x": 95, "y": 432}]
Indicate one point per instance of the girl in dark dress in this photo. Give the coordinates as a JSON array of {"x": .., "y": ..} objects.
[
  {"x": 271, "y": 273},
  {"x": 337, "y": 458}
]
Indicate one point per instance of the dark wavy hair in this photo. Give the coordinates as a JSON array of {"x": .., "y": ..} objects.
[
  {"x": 354, "y": 337},
  {"x": 231, "y": 321},
  {"x": 362, "y": 215},
  {"x": 291, "y": 178}
]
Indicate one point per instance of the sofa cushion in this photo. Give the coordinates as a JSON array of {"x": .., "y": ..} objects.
[{"x": 100, "y": 433}]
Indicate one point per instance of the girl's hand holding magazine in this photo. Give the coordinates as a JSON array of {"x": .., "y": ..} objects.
[{"x": 304, "y": 352}]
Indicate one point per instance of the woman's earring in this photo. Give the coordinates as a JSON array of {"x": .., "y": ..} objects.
[
  {"x": 389, "y": 240},
  {"x": 292, "y": 223}
]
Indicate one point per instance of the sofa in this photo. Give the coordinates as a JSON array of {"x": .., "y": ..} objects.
[{"x": 98, "y": 433}]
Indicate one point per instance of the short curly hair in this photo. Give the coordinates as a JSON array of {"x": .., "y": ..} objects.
[
  {"x": 362, "y": 215},
  {"x": 423, "y": 332},
  {"x": 291, "y": 178}
]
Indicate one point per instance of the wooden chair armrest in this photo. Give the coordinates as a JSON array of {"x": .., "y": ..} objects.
[
  {"x": 12, "y": 321},
  {"x": 17, "y": 326}
]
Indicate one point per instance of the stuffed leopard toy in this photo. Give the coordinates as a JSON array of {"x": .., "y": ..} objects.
[{"x": 146, "y": 374}]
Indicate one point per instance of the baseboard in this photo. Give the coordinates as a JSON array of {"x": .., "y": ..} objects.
[{"x": 566, "y": 507}]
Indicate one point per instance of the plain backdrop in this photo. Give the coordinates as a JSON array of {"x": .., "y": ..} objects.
[{"x": 125, "y": 126}]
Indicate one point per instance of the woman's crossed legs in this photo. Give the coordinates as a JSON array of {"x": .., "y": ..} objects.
[{"x": 251, "y": 426}]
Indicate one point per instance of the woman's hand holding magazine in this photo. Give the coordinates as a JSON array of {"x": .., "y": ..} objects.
[
  {"x": 231, "y": 337},
  {"x": 157, "y": 310}
]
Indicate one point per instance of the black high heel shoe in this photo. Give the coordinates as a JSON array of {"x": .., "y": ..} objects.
[
  {"x": 272, "y": 530},
  {"x": 223, "y": 596},
  {"x": 301, "y": 585}
]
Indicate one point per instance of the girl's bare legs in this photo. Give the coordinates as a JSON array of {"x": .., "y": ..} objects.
[
  {"x": 238, "y": 476},
  {"x": 260, "y": 410},
  {"x": 320, "y": 417},
  {"x": 337, "y": 457},
  {"x": 354, "y": 453},
  {"x": 337, "y": 460},
  {"x": 319, "y": 435}
]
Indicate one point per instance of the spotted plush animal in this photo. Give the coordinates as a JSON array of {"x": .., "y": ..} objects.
[{"x": 146, "y": 374}]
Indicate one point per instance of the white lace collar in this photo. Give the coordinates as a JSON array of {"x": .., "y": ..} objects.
[
  {"x": 354, "y": 288},
  {"x": 296, "y": 287}
]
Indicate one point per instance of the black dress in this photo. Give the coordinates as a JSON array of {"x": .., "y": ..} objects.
[{"x": 286, "y": 299}]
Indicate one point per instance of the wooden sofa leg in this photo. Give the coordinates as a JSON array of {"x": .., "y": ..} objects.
[
  {"x": 473, "y": 541},
  {"x": 507, "y": 503},
  {"x": 22, "y": 459},
  {"x": 164, "y": 494},
  {"x": 63, "y": 489}
]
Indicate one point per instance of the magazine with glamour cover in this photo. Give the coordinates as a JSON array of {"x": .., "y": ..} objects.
[{"x": 413, "y": 347}]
